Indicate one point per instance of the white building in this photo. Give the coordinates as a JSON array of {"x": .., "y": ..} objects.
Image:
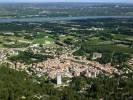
[
  {"x": 59, "y": 81},
  {"x": 96, "y": 55}
]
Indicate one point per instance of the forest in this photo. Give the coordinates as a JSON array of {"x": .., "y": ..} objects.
[{"x": 16, "y": 85}]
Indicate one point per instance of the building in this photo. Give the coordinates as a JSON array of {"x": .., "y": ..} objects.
[
  {"x": 8, "y": 33},
  {"x": 59, "y": 81},
  {"x": 96, "y": 55}
]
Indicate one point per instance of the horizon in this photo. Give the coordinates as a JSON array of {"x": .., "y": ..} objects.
[{"x": 66, "y": 1}]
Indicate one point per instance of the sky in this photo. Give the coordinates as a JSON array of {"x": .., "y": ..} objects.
[{"x": 114, "y": 1}]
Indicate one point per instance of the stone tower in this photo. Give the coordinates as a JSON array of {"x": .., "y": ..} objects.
[{"x": 59, "y": 81}]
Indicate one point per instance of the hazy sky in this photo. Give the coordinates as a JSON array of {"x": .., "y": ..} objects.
[{"x": 124, "y": 1}]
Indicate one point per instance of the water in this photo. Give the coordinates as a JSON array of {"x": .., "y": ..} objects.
[{"x": 42, "y": 19}]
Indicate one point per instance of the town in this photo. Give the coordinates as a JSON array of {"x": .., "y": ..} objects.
[
  {"x": 72, "y": 51},
  {"x": 67, "y": 64},
  {"x": 59, "y": 51}
]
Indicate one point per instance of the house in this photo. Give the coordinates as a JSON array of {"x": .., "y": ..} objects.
[
  {"x": 96, "y": 55},
  {"x": 8, "y": 33}
]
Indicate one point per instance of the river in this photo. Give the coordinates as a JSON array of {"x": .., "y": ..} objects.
[{"x": 42, "y": 19}]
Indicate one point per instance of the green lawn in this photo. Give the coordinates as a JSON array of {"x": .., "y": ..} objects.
[
  {"x": 45, "y": 40},
  {"x": 121, "y": 37},
  {"x": 95, "y": 40},
  {"x": 1, "y": 46},
  {"x": 62, "y": 38}
]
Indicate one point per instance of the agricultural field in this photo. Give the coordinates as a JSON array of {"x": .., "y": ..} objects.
[{"x": 38, "y": 51}]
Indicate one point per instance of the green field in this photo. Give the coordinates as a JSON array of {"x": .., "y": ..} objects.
[
  {"x": 45, "y": 40},
  {"x": 122, "y": 37}
]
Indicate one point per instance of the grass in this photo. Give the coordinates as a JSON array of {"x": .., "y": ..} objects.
[
  {"x": 44, "y": 40},
  {"x": 95, "y": 40},
  {"x": 19, "y": 42},
  {"x": 1, "y": 46},
  {"x": 62, "y": 38},
  {"x": 110, "y": 48},
  {"x": 13, "y": 38},
  {"x": 121, "y": 37}
]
